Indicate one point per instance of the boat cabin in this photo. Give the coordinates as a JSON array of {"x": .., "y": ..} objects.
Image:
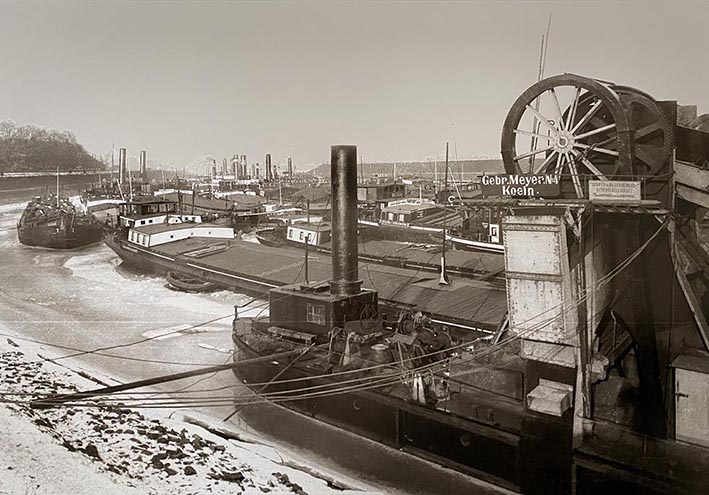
[
  {"x": 314, "y": 234},
  {"x": 406, "y": 213},
  {"x": 371, "y": 193},
  {"x": 154, "y": 235},
  {"x": 152, "y": 211}
]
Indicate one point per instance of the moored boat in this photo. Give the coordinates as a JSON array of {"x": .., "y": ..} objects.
[
  {"x": 54, "y": 222},
  {"x": 186, "y": 284}
]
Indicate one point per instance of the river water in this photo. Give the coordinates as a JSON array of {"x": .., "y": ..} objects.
[{"x": 85, "y": 299}]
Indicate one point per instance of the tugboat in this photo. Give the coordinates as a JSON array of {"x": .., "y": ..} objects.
[{"x": 54, "y": 222}]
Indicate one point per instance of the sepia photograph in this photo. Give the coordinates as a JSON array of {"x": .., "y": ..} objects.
[{"x": 330, "y": 247}]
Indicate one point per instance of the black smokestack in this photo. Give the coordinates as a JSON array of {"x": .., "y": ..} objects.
[
  {"x": 269, "y": 173},
  {"x": 143, "y": 165},
  {"x": 121, "y": 165},
  {"x": 343, "y": 177}
]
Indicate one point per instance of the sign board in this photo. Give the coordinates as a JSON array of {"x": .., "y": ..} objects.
[
  {"x": 520, "y": 186},
  {"x": 493, "y": 232},
  {"x": 616, "y": 191}
]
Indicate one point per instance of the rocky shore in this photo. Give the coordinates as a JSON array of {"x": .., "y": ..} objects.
[{"x": 120, "y": 450}]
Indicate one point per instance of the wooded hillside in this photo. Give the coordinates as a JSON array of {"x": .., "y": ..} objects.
[{"x": 31, "y": 148}]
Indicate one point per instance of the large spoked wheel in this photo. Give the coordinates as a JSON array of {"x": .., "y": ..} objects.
[
  {"x": 588, "y": 139},
  {"x": 653, "y": 133}
]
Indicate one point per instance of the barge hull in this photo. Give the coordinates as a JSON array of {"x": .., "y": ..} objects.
[{"x": 473, "y": 448}]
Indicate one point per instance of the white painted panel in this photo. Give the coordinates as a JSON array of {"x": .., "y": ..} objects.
[
  {"x": 536, "y": 304},
  {"x": 540, "y": 291},
  {"x": 532, "y": 252},
  {"x": 692, "y": 406}
]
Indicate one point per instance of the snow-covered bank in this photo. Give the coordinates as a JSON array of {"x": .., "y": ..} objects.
[{"x": 120, "y": 450}]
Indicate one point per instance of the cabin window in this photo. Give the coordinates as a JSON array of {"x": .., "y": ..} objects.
[
  {"x": 290, "y": 234},
  {"x": 301, "y": 235},
  {"x": 401, "y": 217},
  {"x": 150, "y": 221},
  {"x": 315, "y": 314},
  {"x": 391, "y": 217}
]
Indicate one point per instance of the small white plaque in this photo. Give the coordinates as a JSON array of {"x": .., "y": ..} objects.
[{"x": 615, "y": 191}]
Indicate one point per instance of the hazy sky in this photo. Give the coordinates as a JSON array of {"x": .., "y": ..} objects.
[{"x": 398, "y": 79}]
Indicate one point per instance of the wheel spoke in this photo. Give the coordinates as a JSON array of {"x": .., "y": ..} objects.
[
  {"x": 575, "y": 178},
  {"x": 533, "y": 134},
  {"x": 545, "y": 163},
  {"x": 544, "y": 120},
  {"x": 574, "y": 107},
  {"x": 590, "y": 165},
  {"x": 557, "y": 108},
  {"x": 605, "y": 141},
  {"x": 595, "y": 131},
  {"x": 589, "y": 115},
  {"x": 559, "y": 163},
  {"x": 596, "y": 148},
  {"x": 647, "y": 130},
  {"x": 533, "y": 152}
]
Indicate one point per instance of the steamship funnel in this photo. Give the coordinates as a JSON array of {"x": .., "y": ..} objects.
[{"x": 343, "y": 178}]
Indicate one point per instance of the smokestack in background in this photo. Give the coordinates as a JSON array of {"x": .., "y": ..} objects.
[
  {"x": 143, "y": 165},
  {"x": 269, "y": 171},
  {"x": 244, "y": 168}
]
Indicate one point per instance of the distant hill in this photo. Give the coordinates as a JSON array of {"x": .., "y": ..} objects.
[
  {"x": 426, "y": 169},
  {"x": 31, "y": 148}
]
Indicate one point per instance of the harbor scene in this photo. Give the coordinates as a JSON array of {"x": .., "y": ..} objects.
[{"x": 339, "y": 248}]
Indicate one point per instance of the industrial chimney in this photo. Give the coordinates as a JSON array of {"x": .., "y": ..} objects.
[
  {"x": 290, "y": 167},
  {"x": 143, "y": 165},
  {"x": 234, "y": 163},
  {"x": 343, "y": 177},
  {"x": 121, "y": 165},
  {"x": 225, "y": 167},
  {"x": 269, "y": 173},
  {"x": 243, "y": 168}
]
